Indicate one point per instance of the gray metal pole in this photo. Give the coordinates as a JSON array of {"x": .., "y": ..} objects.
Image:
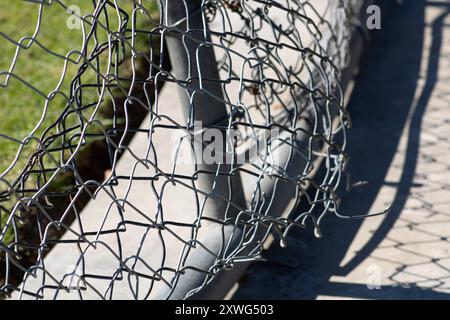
[
  {"x": 194, "y": 64},
  {"x": 195, "y": 67}
]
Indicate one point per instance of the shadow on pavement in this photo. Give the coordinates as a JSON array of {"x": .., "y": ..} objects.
[{"x": 382, "y": 104}]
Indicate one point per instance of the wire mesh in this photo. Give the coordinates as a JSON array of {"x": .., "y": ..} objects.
[{"x": 97, "y": 178}]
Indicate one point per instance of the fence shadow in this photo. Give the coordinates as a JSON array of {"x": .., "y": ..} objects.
[{"x": 383, "y": 102}]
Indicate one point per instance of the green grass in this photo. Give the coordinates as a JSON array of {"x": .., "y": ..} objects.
[{"x": 22, "y": 107}]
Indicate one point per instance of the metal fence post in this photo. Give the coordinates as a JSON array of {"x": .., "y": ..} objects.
[
  {"x": 195, "y": 67},
  {"x": 193, "y": 62}
]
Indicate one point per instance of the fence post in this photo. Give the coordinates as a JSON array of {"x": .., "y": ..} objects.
[
  {"x": 194, "y": 64},
  {"x": 195, "y": 67}
]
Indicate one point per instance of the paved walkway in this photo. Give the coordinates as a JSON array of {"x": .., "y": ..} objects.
[{"x": 399, "y": 144}]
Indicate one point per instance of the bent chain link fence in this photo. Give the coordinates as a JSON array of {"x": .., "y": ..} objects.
[{"x": 264, "y": 74}]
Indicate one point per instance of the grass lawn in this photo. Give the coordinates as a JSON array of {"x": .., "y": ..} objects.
[{"x": 37, "y": 72}]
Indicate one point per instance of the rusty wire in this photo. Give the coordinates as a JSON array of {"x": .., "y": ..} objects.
[{"x": 280, "y": 64}]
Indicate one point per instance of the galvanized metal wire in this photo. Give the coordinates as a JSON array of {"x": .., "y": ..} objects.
[{"x": 279, "y": 65}]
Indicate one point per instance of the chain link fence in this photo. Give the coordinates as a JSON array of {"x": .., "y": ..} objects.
[{"x": 176, "y": 138}]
